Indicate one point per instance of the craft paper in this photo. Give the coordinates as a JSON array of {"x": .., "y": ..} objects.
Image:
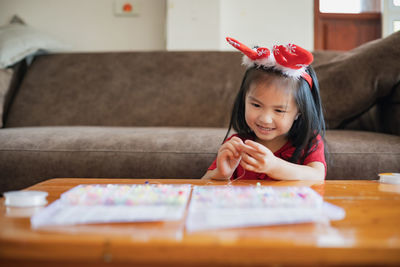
[
  {"x": 115, "y": 203},
  {"x": 214, "y": 207}
]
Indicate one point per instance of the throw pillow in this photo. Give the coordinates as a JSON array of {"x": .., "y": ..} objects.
[
  {"x": 352, "y": 82},
  {"x": 18, "y": 41}
]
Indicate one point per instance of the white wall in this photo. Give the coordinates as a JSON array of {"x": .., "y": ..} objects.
[
  {"x": 90, "y": 25},
  {"x": 204, "y": 24},
  {"x": 268, "y": 22},
  {"x": 390, "y": 13},
  {"x": 193, "y": 24}
]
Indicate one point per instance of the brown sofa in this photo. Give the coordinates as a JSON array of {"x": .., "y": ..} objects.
[{"x": 164, "y": 114}]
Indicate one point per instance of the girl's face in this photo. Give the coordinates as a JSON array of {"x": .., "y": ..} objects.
[{"x": 270, "y": 112}]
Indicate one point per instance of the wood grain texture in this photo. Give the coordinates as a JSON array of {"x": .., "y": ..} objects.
[{"x": 369, "y": 234}]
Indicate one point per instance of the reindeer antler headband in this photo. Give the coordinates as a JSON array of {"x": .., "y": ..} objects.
[{"x": 291, "y": 60}]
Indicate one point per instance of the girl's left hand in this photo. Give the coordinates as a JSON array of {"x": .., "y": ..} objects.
[{"x": 256, "y": 157}]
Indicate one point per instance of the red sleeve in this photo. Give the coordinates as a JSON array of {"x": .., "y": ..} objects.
[
  {"x": 214, "y": 164},
  {"x": 318, "y": 154}
]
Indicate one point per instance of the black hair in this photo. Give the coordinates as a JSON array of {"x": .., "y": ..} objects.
[{"x": 305, "y": 129}]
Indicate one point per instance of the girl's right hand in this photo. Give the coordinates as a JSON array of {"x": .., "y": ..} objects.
[{"x": 229, "y": 156}]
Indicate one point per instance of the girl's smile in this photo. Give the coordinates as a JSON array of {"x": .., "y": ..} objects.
[
  {"x": 270, "y": 112},
  {"x": 265, "y": 130}
]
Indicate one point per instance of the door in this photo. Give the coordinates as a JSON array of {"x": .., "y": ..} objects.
[{"x": 346, "y": 24}]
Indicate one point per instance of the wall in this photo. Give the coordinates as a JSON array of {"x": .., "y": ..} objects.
[
  {"x": 390, "y": 13},
  {"x": 192, "y": 25},
  {"x": 90, "y": 25},
  {"x": 268, "y": 22}
]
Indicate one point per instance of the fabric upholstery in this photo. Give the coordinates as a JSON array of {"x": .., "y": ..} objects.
[
  {"x": 356, "y": 79},
  {"x": 5, "y": 82},
  {"x": 381, "y": 117},
  {"x": 361, "y": 155},
  {"x": 129, "y": 89},
  {"x": 10, "y": 80},
  {"x": 164, "y": 114},
  {"x": 33, "y": 154},
  {"x": 161, "y": 152}
]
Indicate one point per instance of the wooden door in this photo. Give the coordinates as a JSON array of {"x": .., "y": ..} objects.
[{"x": 340, "y": 31}]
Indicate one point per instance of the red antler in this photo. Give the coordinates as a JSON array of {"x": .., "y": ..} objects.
[
  {"x": 261, "y": 52},
  {"x": 292, "y": 56}
]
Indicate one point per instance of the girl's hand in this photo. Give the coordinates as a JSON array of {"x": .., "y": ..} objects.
[
  {"x": 257, "y": 158},
  {"x": 229, "y": 156}
]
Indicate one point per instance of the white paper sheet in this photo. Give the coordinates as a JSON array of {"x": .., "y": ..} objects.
[
  {"x": 211, "y": 207},
  {"x": 215, "y": 207},
  {"x": 115, "y": 203}
]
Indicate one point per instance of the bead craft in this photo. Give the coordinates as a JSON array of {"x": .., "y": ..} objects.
[
  {"x": 215, "y": 207},
  {"x": 115, "y": 203},
  {"x": 130, "y": 195},
  {"x": 211, "y": 207},
  {"x": 255, "y": 197}
]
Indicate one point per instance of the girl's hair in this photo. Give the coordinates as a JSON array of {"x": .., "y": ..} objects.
[{"x": 305, "y": 129}]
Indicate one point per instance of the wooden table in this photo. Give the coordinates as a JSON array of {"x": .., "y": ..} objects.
[{"x": 369, "y": 234}]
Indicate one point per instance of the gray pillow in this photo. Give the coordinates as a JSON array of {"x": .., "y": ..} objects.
[{"x": 18, "y": 41}]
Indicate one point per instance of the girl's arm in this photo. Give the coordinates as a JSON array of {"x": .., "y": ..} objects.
[
  {"x": 284, "y": 170},
  {"x": 258, "y": 158},
  {"x": 214, "y": 174}
]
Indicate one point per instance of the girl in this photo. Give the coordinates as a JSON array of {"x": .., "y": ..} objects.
[{"x": 278, "y": 118}]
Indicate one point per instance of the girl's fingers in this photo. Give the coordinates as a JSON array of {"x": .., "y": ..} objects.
[
  {"x": 234, "y": 146},
  {"x": 247, "y": 166},
  {"x": 237, "y": 140},
  {"x": 233, "y": 149},
  {"x": 249, "y": 160},
  {"x": 257, "y": 146},
  {"x": 222, "y": 162},
  {"x": 252, "y": 152},
  {"x": 228, "y": 156}
]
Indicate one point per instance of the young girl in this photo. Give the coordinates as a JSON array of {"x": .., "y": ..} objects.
[{"x": 278, "y": 118}]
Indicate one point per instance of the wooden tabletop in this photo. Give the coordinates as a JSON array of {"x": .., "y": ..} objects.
[{"x": 369, "y": 234}]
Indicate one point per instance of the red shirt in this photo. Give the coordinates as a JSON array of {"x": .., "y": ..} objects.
[{"x": 285, "y": 152}]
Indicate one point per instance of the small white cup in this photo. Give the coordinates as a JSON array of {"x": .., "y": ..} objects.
[
  {"x": 25, "y": 198},
  {"x": 389, "y": 178}
]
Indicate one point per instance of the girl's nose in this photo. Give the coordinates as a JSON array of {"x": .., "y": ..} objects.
[{"x": 265, "y": 118}]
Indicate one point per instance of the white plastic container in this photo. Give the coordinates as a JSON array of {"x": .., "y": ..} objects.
[
  {"x": 389, "y": 178},
  {"x": 25, "y": 198}
]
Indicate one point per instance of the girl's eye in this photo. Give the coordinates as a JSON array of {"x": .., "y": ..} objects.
[
  {"x": 255, "y": 105},
  {"x": 280, "y": 110}
]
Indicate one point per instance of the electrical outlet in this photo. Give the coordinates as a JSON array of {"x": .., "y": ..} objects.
[{"x": 127, "y": 7}]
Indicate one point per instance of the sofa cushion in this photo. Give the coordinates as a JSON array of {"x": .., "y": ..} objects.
[
  {"x": 128, "y": 89},
  {"x": 352, "y": 82},
  {"x": 33, "y": 154},
  {"x": 382, "y": 117},
  {"x": 390, "y": 112},
  {"x": 30, "y": 155},
  {"x": 5, "y": 82},
  {"x": 10, "y": 80},
  {"x": 361, "y": 155}
]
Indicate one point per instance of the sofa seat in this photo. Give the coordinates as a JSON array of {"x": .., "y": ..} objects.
[
  {"x": 105, "y": 152},
  {"x": 160, "y": 152},
  {"x": 361, "y": 154}
]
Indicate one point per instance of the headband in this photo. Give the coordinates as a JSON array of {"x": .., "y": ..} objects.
[{"x": 291, "y": 60}]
